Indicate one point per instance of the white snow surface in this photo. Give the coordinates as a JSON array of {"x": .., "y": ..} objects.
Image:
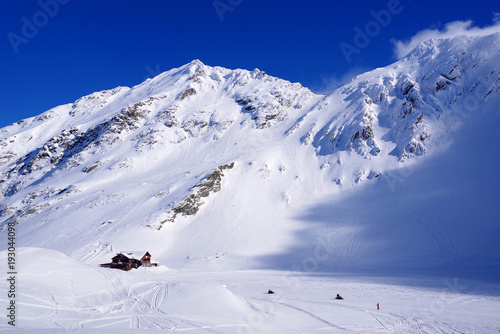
[
  {"x": 71, "y": 297},
  {"x": 384, "y": 191}
]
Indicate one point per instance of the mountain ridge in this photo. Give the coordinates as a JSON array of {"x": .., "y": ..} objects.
[{"x": 162, "y": 161}]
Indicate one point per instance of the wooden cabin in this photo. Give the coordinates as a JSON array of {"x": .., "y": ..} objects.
[{"x": 129, "y": 260}]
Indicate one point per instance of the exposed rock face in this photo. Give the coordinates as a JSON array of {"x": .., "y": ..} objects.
[
  {"x": 411, "y": 91},
  {"x": 271, "y": 108},
  {"x": 188, "y": 92},
  {"x": 191, "y": 205}
]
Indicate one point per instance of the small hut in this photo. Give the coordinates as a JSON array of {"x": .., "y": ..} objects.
[{"x": 129, "y": 260}]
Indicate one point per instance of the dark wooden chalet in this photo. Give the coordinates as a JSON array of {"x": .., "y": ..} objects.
[{"x": 129, "y": 260}]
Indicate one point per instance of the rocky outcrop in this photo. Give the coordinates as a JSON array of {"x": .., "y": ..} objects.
[
  {"x": 188, "y": 92},
  {"x": 411, "y": 92},
  {"x": 191, "y": 205},
  {"x": 269, "y": 108}
]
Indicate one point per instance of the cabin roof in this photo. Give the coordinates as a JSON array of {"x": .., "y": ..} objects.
[{"x": 137, "y": 255}]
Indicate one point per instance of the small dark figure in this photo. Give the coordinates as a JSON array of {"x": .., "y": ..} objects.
[
  {"x": 378, "y": 306},
  {"x": 339, "y": 297},
  {"x": 270, "y": 291}
]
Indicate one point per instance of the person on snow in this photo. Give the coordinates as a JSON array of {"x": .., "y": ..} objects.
[
  {"x": 378, "y": 306},
  {"x": 339, "y": 297},
  {"x": 270, "y": 291}
]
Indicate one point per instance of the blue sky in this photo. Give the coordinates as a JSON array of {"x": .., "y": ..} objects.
[{"x": 55, "y": 51}]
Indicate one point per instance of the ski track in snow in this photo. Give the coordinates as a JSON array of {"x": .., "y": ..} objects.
[
  {"x": 313, "y": 316},
  {"x": 144, "y": 309}
]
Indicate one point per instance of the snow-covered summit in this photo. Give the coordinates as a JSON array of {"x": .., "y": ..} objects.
[{"x": 207, "y": 165}]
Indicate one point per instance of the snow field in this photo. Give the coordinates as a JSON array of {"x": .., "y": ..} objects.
[{"x": 59, "y": 295}]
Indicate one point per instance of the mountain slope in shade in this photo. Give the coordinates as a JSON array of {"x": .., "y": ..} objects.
[{"x": 208, "y": 167}]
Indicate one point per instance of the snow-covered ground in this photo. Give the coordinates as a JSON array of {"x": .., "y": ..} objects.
[{"x": 60, "y": 295}]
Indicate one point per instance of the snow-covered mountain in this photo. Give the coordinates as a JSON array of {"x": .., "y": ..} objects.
[{"x": 208, "y": 167}]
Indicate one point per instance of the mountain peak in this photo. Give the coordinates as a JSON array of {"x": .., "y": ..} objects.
[
  {"x": 457, "y": 34},
  {"x": 195, "y": 65}
]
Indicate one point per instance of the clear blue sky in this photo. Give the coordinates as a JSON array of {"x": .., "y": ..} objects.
[{"x": 54, "y": 54}]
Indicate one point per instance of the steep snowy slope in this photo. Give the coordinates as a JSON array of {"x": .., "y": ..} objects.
[{"x": 208, "y": 167}]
